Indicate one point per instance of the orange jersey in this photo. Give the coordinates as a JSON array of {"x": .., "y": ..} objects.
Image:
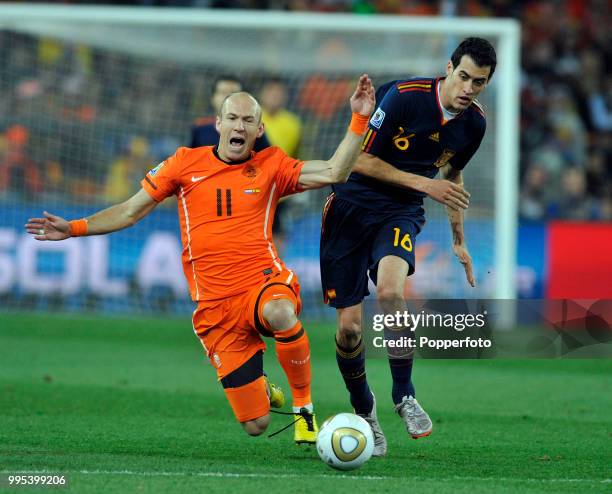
[{"x": 226, "y": 213}]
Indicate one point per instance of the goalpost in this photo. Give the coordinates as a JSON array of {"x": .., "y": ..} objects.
[{"x": 99, "y": 90}]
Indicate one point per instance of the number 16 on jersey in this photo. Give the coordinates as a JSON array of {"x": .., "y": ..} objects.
[{"x": 402, "y": 241}]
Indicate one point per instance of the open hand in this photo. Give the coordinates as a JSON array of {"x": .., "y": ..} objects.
[
  {"x": 448, "y": 193},
  {"x": 363, "y": 99},
  {"x": 462, "y": 253},
  {"x": 50, "y": 227}
]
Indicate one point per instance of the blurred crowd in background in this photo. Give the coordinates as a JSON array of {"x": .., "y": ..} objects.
[
  {"x": 566, "y": 106},
  {"x": 84, "y": 125}
]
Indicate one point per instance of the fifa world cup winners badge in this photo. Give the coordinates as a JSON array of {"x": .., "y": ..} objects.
[
  {"x": 377, "y": 118},
  {"x": 156, "y": 169}
]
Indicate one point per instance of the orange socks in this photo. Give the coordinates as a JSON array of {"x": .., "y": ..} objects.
[{"x": 293, "y": 352}]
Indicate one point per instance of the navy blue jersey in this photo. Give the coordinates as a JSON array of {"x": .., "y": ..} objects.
[
  {"x": 207, "y": 135},
  {"x": 409, "y": 132}
]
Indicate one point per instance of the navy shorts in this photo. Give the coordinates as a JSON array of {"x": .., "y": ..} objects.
[{"x": 354, "y": 240}]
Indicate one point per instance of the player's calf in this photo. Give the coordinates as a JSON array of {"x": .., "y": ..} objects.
[
  {"x": 277, "y": 307},
  {"x": 350, "y": 356},
  {"x": 246, "y": 392},
  {"x": 293, "y": 352}
]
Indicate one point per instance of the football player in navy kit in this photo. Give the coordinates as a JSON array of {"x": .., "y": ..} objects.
[{"x": 370, "y": 223}]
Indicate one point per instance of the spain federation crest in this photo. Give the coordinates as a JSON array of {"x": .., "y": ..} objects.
[{"x": 444, "y": 158}]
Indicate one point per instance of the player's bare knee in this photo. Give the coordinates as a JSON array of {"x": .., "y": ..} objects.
[
  {"x": 256, "y": 427},
  {"x": 348, "y": 338},
  {"x": 349, "y": 331},
  {"x": 390, "y": 298},
  {"x": 280, "y": 314}
]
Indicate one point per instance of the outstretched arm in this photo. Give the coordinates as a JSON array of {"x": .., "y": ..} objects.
[
  {"x": 444, "y": 191},
  {"x": 108, "y": 220},
  {"x": 319, "y": 173},
  {"x": 455, "y": 217}
]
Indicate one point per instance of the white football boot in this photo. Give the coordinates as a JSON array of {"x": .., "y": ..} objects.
[
  {"x": 380, "y": 442},
  {"x": 416, "y": 419}
]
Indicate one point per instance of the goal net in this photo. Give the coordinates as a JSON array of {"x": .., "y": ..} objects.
[{"x": 92, "y": 97}]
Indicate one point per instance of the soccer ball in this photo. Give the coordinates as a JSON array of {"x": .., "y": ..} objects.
[{"x": 345, "y": 441}]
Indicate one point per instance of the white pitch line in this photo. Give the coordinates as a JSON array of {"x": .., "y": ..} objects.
[
  {"x": 295, "y": 475},
  {"x": 240, "y": 475}
]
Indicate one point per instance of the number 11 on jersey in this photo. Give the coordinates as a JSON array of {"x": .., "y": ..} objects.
[{"x": 228, "y": 202}]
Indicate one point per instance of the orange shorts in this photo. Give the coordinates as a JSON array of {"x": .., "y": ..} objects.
[{"x": 230, "y": 331}]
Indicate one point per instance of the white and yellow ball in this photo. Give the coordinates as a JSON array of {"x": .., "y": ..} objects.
[{"x": 345, "y": 441}]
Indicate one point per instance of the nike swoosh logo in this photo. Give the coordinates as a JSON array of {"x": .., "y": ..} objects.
[{"x": 197, "y": 179}]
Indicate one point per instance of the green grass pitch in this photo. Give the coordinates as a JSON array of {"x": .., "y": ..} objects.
[{"x": 129, "y": 405}]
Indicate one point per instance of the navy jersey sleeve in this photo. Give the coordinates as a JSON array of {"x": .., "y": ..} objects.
[
  {"x": 385, "y": 122},
  {"x": 465, "y": 155},
  {"x": 382, "y": 90}
]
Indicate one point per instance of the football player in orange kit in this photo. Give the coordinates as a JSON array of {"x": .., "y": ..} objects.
[{"x": 227, "y": 196}]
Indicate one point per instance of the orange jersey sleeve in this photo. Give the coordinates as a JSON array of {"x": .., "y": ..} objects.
[
  {"x": 287, "y": 173},
  {"x": 163, "y": 180}
]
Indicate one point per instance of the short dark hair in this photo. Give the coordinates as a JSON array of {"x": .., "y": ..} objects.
[
  {"x": 479, "y": 50},
  {"x": 225, "y": 77}
]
